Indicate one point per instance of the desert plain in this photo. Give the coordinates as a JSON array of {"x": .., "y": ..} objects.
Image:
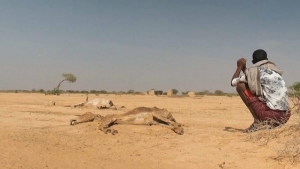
[{"x": 36, "y": 136}]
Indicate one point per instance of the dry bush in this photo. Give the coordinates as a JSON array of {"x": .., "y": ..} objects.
[
  {"x": 289, "y": 135},
  {"x": 290, "y": 151},
  {"x": 264, "y": 135},
  {"x": 291, "y": 148},
  {"x": 295, "y": 98},
  {"x": 261, "y": 137}
]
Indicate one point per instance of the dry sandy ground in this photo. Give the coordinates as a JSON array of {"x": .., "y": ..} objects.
[{"x": 36, "y": 136}]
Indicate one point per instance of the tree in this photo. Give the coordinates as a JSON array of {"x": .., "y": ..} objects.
[
  {"x": 103, "y": 91},
  {"x": 184, "y": 93},
  {"x": 130, "y": 91},
  {"x": 70, "y": 91},
  {"x": 113, "y": 92},
  {"x": 174, "y": 91},
  {"x": 136, "y": 92},
  {"x": 67, "y": 77},
  {"x": 207, "y": 92},
  {"x": 121, "y": 92},
  {"x": 219, "y": 92},
  {"x": 84, "y": 91}
]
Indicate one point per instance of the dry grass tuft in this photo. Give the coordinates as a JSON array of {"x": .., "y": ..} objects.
[
  {"x": 288, "y": 136},
  {"x": 290, "y": 151},
  {"x": 291, "y": 148},
  {"x": 264, "y": 136}
]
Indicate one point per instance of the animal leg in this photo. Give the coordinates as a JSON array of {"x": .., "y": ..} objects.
[
  {"x": 86, "y": 117},
  {"x": 170, "y": 117},
  {"x": 176, "y": 127},
  {"x": 163, "y": 119},
  {"x": 105, "y": 126}
]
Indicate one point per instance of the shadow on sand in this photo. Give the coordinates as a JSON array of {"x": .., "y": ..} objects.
[{"x": 233, "y": 130}]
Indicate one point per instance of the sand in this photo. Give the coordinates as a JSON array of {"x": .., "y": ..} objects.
[{"x": 36, "y": 136}]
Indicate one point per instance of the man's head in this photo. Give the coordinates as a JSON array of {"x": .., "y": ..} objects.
[{"x": 259, "y": 55}]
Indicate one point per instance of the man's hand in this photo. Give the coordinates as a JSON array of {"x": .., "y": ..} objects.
[
  {"x": 241, "y": 66},
  {"x": 241, "y": 63}
]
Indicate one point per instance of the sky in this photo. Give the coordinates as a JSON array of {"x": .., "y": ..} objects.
[{"x": 118, "y": 45}]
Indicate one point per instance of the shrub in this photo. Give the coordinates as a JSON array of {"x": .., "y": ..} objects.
[
  {"x": 219, "y": 92},
  {"x": 175, "y": 91},
  {"x": 295, "y": 99},
  {"x": 103, "y": 92}
]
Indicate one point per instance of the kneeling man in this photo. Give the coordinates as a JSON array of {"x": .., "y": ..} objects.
[{"x": 263, "y": 90}]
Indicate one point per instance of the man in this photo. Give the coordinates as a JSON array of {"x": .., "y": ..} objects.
[{"x": 263, "y": 91}]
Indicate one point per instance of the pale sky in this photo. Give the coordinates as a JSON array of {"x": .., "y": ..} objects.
[{"x": 117, "y": 45}]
